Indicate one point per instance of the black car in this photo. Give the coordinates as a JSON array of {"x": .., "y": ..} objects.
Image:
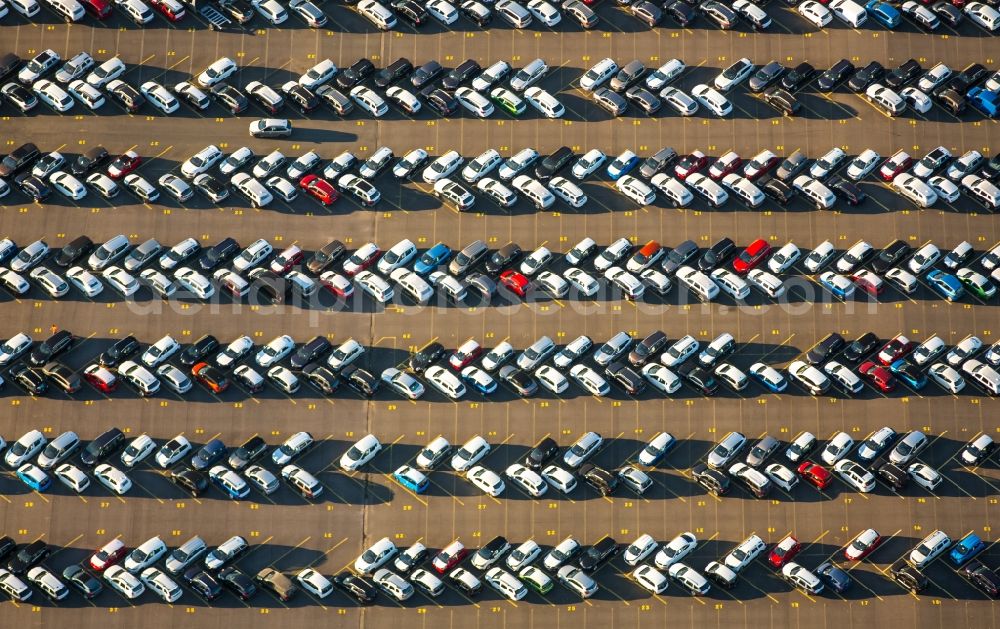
[
  {"x": 716, "y": 255},
  {"x": 765, "y": 76},
  {"x": 982, "y": 577},
  {"x": 602, "y": 551},
  {"x": 219, "y": 254},
  {"x": 464, "y": 72},
  {"x": 836, "y": 75},
  {"x": 951, "y": 100},
  {"x": 541, "y": 454},
  {"x": 502, "y": 258},
  {"x": 442, "y": 102},
  {"x": 247, "y": 453},
  {"x": 798, "y": 77},
  {"x": 865, "y": 76},
  {"x": 102, "y": 447},
  {"x": 81, "y": 579},
  {"x": 860, "y": 347},
  {"x": 239, "y": 583},
  {"x": 599, "y": 479},
  {"x": 9, "y": 64},
  {"x": 890, "y": 255},
  {"x": 119, "y": 352},
  {"x": 239, "y": 10},
  {"x": 203, "y": 584},
  {"x": 778, "y": 190},
  {"x": 74, "y": 250},
  {"x": 477, "y": 13},
  {"x": 521, "y": 381},
  {"x": 699, "y": 378},
  {"x": 358, "y": 72},
  {"x": 393, "y": 72},
  {"x": 551, "y": 165},
  {"x": 846, "y": 190},
  {"x": 410, "y": 11},
  {"x": 426, "y": 357},
  {"x": 18, "y": 159},
  {"x": 947, "y": 13},
  {"x": 313, "y": 350},
  {"x": 907, "y": 576},
  {"x": 425, "y": 74},
  {"x": 231, "y": 98},
  {"x": 32, "y": 186},
  {"x": 680, "y": 12},
  {"x": 714, "y": 481},
  {"x": 126, "y": 95},
  {"x": 361, "y": 380},
  {"x": 213, "y": 189},
  {"x": 7, "y": 546},
  {"x": 782, "y": 100},
  {"x": 197, "y": 351},
  {"x": 625, "y": 377},
  {"x": 720, "y": 15},
  {"x": 322, "y": 378},
  {"x": 991, "y": 169},
  {"x": 324, "y": 257},
  {"x": 657, "y": 162},
  {"x": 359, "y": 588},
  {"x": 647, "y": 347},
  {"x": 825, "y": 348},
  {"x": 29, "y": 556},
  {"x": 892, "y": 475},
  {"x": 194, "y": 483},
  {"x": 907, "y": 71},
  {"x": 492, "y": 550},
  {"x": 679, "y": 256},
  {"x": 20, "y": 97},
  {"x": 28, "y": 378},
  {"x": 838, "y": 580},
  {"x": 301, "y": 98}
]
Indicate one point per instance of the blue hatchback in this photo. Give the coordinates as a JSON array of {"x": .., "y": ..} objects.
[
  {"x": 432, "y": 259},
  {"x": 622, "y": 165},
  {"x": 967, "y": 548},
  {"x": 909, "y": 373},
  {"x": 945, "y": 284},
  {"x": 414, "y": 480},
  {"x": 34, "y": 477},
  {"x": 987, "y": 102},
  {"x": 884, "y": 13}
]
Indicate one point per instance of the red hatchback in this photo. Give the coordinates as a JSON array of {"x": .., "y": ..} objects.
[
  {"x": 212, "y": 378},
  {"x": 515, "y": 282},
  {"x": 124, "y": 164},
  {"x": 879, "y": 376},
  {"x": 319, "y": 188},
  {"x": 98, "y": 8},
  {"x": 449, "y": 557},
  {"x": 815, "y": 474},
  {"x": 725, "y": 165},
  {"x": 690, "y": 164},
  {"x": 895, "y": 349},
  {"x": 749, "y": 258},
  {"x": 171, "y": 9},
  {"x": 101, "y": 378},
  {"x": 784, "y": 551}
]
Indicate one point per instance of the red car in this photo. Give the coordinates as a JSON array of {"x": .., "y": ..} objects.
[
  {"x": 319, "y": 188},
  {"x": 211, "y": 377},
  {"x": 514, "y": 282},
  {"x": 449, "y": 557},
  {"x": 108, "y": 555},
  {"x": 171, "y": 9},
  {"x": 726, "y": 164},
  {"x": 899, "y": 163},
  {"x": 337, "y": 284},
  {"x": 878, "y": 375},
  {"x": 863, "y": 545},
  {"x": 690, "y": 164},
  {"x": 784, "y": 551},
  {"x": 98, "y": 8},
  {"x": 465, "y": 354},
  {"x": 895, "y": 349},
  {"x": 101, "y": 378},
  {"x": 124, "y": 164},
  {"x": 287, "y": 260},
  {"x": 815, "y": 474},
  {"x": 868, "y": 282},
  {"x": 749, "y": 258},
  {"x": 763, "y": 163}
]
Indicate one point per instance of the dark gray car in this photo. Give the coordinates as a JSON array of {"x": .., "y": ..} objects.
[
  {"x": 679, "y": 256},
  {"x": 765, "y": 76}
]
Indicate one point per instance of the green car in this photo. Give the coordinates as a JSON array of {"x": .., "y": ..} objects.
[
  {"x": 508, "y": 101},
  {"x": 536, "y": 580},
  {"x": 977, "y": 283}
]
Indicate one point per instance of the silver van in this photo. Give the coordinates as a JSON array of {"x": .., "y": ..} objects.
[
  {"x": 107, "y": 253},
  {"x": 468, "y": 257}
]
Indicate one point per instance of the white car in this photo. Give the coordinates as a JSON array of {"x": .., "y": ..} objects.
[
  {"x": 544, "y": 12},
  {"x": 271, "y": 10},
  {"x": 315, "y": 583},
  {"x": 524, "y": 555},
  {"x": 160, "y": 351},
  {"x": 680, "y": 351},
  {"x": 815, "y": 13},
  {"x": 220, "y": 70},
  {"x": 735, "y": 74},
  {"x": 588, "y": 163},
  {"x": 195, "y": 282},
  {"x": 201, "y": 161},
  {"x": 442, "y": 11},
  {"x": 926, "y": 477},
  {"x": 837, "y": 448},
  {"x": 559, "y": 478},
  {"x": 124, "y": 582},
  {"x": 113, "y": 478},
  {"x": 984, "y": 15},
  {"x": 363, "y": 451},
  {"x": 72, "y": 477},
  {"x": 173, "y": 451},
  {"x": 375, "y": 556},
  {"x": 675, "y": 550},
  {"x": 470, "y": 453},
  {"x": 487, "y": 481},
  {"x": 442, "y": 167},
  {"x": 640, "y": 549},
  {"x": 137, "y": 450},
  {"x": 947, "y": 377},
  {"x": 855, "y": 475},
  {"x": 711, "y": 99},
  {"x": 661, "y": 378},
  {"x": 275, "y": 351}
]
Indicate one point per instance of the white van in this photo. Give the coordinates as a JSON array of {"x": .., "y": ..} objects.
[
  {"x": 413, "y": 285},
  {"x": 107, "y": 253},
  {"x": 711, "y": 191},
  {"x": 378, "y": 288},
  {"x": 983, "y": 190},
  {"x": 698, "y": 283},
  {"x": 747, "y": 192},
  {"x": 27, "y": 8},
  {"x": 731, "y": 283},
  {"x": 546, "y": 104},
  {"x": 252, "y": 189},
  {"x": 398, "y": 256},
  {"x": 534, "y": 191},
  {"x": 568, "y": 191},
  {"x": 820, "y": 195},
  {"x": 598, "y": 74},
  {"x": 984, "y": 374},
  {"x": 445, "y": 382},
  {"x": 636, "y": 190},
  {"x": 885, "y": 99},
  {"x": 849, "y": 12},
  {"x": 914, "y": 190},
  {"x": 452, "y": 288},
  {"x": 674, "y": 190},
  {"x": 69, "y": 10}
]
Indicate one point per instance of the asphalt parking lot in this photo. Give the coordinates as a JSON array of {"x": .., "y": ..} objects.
[{"x": 357, "y": 509}]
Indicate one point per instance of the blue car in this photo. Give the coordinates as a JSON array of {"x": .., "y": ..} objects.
[
  {"x": 479, "y": 380},
  {"x": 209, "y": 454},
  {"x": 34, "y": 477},
  {"x": 412, "y": 479},
  {"x": 966, "y": 548},
  {"x": 946, "y": 285},
  {"x": 432, "y": 259},
  {"x": 622, "y": 165},
  {"x": 771, "y": 378},
  {"x": 884, "y": 13},
  {"x": 987, "y": 102},
  {"x": 909, "y": 373}
]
